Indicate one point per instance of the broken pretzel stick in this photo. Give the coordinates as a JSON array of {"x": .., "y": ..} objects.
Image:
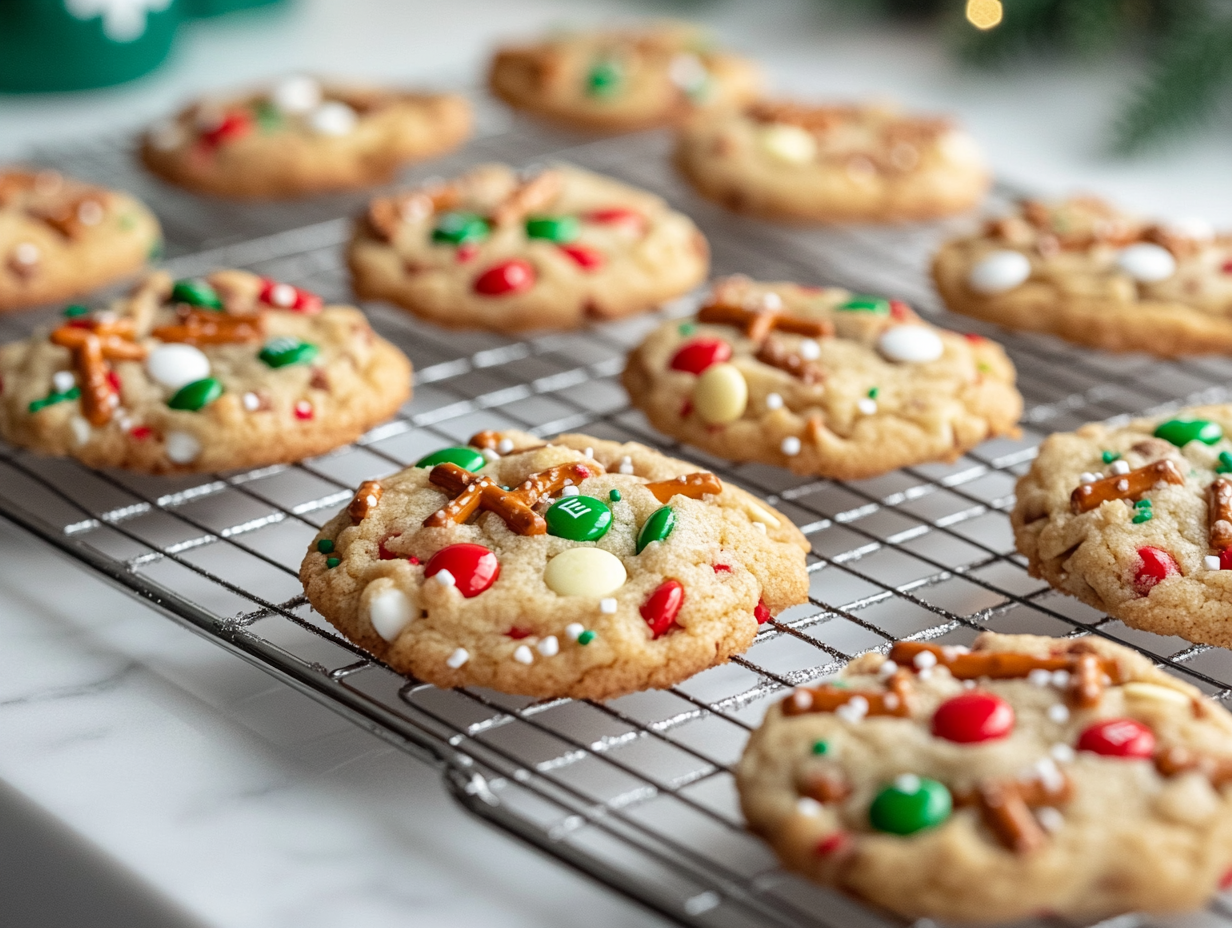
[
  {"x": 207, "y": 327},
  {"x": 1124, "y": 486},
  {"x": 1219, "y": 513},
  {"x": 826, "y": 787},
  {"x": 776, "y": 355},
  {"x": 92, "y": 345},
  {"x": 1177, "y": 760},
  {"x": 996, "y": 665},
  {"x": 366, "y": 498},
  {"x": 387, "y": 214},
  {"x": 694, "y": 486},
  {"x": 898, "y": 699},
  {"x": 759, "y": 323},
  {"x": 473, "y": 493}
]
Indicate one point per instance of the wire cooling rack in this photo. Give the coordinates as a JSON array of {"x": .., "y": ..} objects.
[{"x": 637, "y": 792}]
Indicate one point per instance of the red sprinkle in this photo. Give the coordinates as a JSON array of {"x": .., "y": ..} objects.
[
  {"x": 141, "y": 432},
  {"x": 503, "y": 279},
  {"x": 1157, "y": 565},
  {"x": 302, "y": 301},
  {"x": 617, "y": 216},
  {"x": 1225, "y": 881},
  {"x": 695, "y": 356},
  {"x": 233, "y": 126},
  {"x": 761, "y": 613},
  {"x": 474, "y": 568},
  {"x": 114, "y": 379},
  {"x": 588, "y": 259},
  {"x": 304, "y": 411},
  {"x": 466, "y": 251},
  {"x": 973, "y": 717},
  {"x": 900, "y": 310},
  {"x": 973, "y": 338},
  {"x": 517, "y": 634},
  {"x": 722, "y": 568},
  {"x": 1126, "y": 738},
  {"x": 832, "y": 844},
  {"x": 661, "y": 607}
]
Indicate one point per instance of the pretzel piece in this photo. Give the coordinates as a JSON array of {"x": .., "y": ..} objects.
[
  {"x": 473, "y": 493},
  {"x": 759, "y": 323},
  {"x": 694, "y": 486},
  {"x": 775, "y": 354},
  {"x": 1176, "y": 760},
  {"x": 898, "y": 699},
  {"x": 92, "y": 345},
  {"x": 1124, "y": 486},
  {"x": 996, "y": 665},
  {"x": 207, "y": 327},
  {"x": 366, "y": 498},
  {"x": 1219, "y": 513},
  {"x": 529, "y": 197},
  {"x": 387, "y": 214}
]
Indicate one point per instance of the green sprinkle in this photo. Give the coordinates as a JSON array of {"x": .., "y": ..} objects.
[
  {"x": 604, "y": 79},
  {"x": 872, "y": 393},
  {"x": 586, "y": 637},
  {"x": 867, "y": 304},
  {"x": 1110, "y": 456},
  {"x": 821, "y": 747},
  {"x": 983, "y": 368},
  {"x": 75, "y": 311},
  {"x": 1225, "y": 463},
  {"x": 1143, "y": 504},
  {"x": 614, "y": 496},
  {"x": 839, "y": 684},
  {"x": 332, "y": 562},
  {"x": 1144, "y": 515},
  {"x": 325, "y": 546},
  {"x": 52, "y": 398},
  {"x": 687, "y": 328}
]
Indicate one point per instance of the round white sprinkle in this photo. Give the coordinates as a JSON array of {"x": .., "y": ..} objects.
[
  {"x": 809, "y": 350},
  {"x": 1122, "y": 486},
  {"x": 1059, "y": 713},
  {"x": 774, "y": 401},
  {"x": 63, "y": 381},
  {"x": 1049, "y": 818},
  {"x": 81, "y": 429},
  {"x": 770, "y": 301},
  {"x": 1061, "y": 753},
  {"x": 296, "y": 94},
  {"x": 444, "y": 578},
  {"x": 505, "y": 445},
  {"x": 790, "y": 445},
  {"x": 607, "y": 606},
  {"x": 457, "y": 658},
  {"x": 251, "y": 401},
  {"x": 925, "y": 674},
  {"x": 626, "y": 465},
  {"x": 998, "y": 272},
  {"x": 887, "y": 669},
  {"x": 182, "y": 448},
  {"x": 589, "y": 452},
  {"x": 90, "y": 212},
  {"x": 390, "y": 612},
  {"x": 1049, "y": 775},
  {"x": 1087, "y": 477},
  {"x": 548, "y": 647},
  {"x": 890, "y": 701},
  {"x": 1060, "y": 679},
  {"x": 915, "y": 344},
  {"x": 569, "y": 491},
  {"x": 1211, "y": 561},
  {"x": 852, "y": 711},
  {"x": 175, "y": 365},
  {"x": 968, "y": 684},
  {"x": 523, "y": 655},
  {"x": 924, "y": 660},
  {"x": 573, "y": 629},
  {"x": 867, "y": 406},
  {"x": 1120, "y": 467},
  {"x": 807, "y": 805},
  {"x": 1039, "y": 677},
  {"x": 26, "y": 253},
  {"x": 333, "y": 118},
  {"x": 1147, "y": 263},
  {"x": 907, "y": 782}
]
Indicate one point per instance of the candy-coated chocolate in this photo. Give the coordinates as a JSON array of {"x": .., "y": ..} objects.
[
  {"x": 195, "y": 292},
  {"x": 233, "y": 126},
  {"x": 1156, "y": 565},
  {"x": 662, "y": 607},
  {"x": 1147, "y": 262},
  {"x": 466, "y": 458},
  {"x": 588, "y": 259},
  {"x": 506, "y": 278},
  {"x": 617, "y": 216},
  {"x": 473, "y": 567},
  {"x": 457, "y": 228},
  {"x": 721, "y": 394},
  {"x": 174, "y": 365},
  {"x": 760, "y": 612},
  {"x": 657, "y": 527},
  {"x": 325, "y": 546},
  {"x": 390, "y": 611},
  {"x": 973, "y": 717},
  {"x": 1182, "y": 431},
  {"x": 910, "y": 804},
  {"x": 52, "y": 398},
  {"x": 283, "y": 352},
  {"x": 585, "y": 572},
  {"x": 578, "y": 518},
  {"x": 910, "y": 344},
  {"x": 867, "y": 304},
  {"x": 285, "y": 296},
  {"x": 695, "y": 356},
  {"x": 999, "y": 271},
  {"x": 1126, "y": 738},
  {"x": 196, "y": 395},
  {"x": 559, "y": 229}
]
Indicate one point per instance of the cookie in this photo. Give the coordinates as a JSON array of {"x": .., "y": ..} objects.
[
  {"x": 201, "y": 375},
  {"x": 622, "y": 81},
  {"x": 1026, "y": 776},
  {"x": 1136, "y": 520},
  {"x": 61, "y": 238},
  {"x": 301, "y": 138},
  {"x": 832, "y": 163},
  {"x": 605, "y": 568},
  {"x": 1085, "y": 271},
  {"x": 493, "y": 250},
  {"x": 821, "y": 381}
]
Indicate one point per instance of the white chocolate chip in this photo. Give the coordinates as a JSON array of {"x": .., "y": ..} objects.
[
  {"x": 489, "y": 455},
  {"x": 504, "y": 446},
  {"x": 760, "y": 515},
  {"x": 523, "y": 655},
  {"x": 807, "y": 805},
  {"x": 790, "y": 446},
  {"x": 809, "y": 350},
  {"x": 251, "y": 401},
  {"x": 626, "y": 465},
  {"x": 721, "y": 394},
  {"x": 1211, "y": 561},
  {"x": 789, "y": 144},
  {"x": 176, "y": 365},
  {"x": 1154, "y": 692},
  {"x": 867, "y": 406},
  {"x": 911, "y": 344},
  {"x": 1050, "y": 819},
  {"x": 389, "y": 608},
  {"x": 548, "y": 647},
  {"x": 296, "y": 94},
  {"x": 1087, "y": 477},
  {"x": 569, "y": 491},
  {"x": 457, "y": 658},
  {"x": 760, "y": 526},
  {"x": 1120, "y": 467}
]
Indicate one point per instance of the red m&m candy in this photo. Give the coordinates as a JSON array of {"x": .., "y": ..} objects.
[
  {"x": 617, "y": 216},
  {"x": 1126, "y": 738},
  {"x": 661, "y": 607},
  {"x": 588, "y": 259},
  {"x": 1156, "y": 565},
  {"x": 699, "y": 354},
  {"x": 506, "y": 278},
  {"x": 232, "y": 126},
  {"x": 472, "y": 568},
  {"x": 285, "y": 296},
  {"x": 973, "y": 717}
]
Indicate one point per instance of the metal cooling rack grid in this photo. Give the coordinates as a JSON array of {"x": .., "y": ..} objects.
[{"x": 637, "y": 792}]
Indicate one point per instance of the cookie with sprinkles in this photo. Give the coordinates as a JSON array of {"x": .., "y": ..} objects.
[
  {"x": 1025, "y": 775},
  {"x": 1136, "y": 520},
  {"x": 1089, "y": 273},
  {"x": 832, "y": 164},
  {"x": 575, "y": 567},
  {"x": 301, "y": 137},
  {"x": 493, "y": 249},
  {"x": 822, "y": 381},
  {"x": 232, "y": 370},
  {"x": 61, "y": 238},
  {"x": 622, "y": 80}
]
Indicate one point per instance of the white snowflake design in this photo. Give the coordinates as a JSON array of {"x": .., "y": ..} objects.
[{"x": 123, "y": 20}]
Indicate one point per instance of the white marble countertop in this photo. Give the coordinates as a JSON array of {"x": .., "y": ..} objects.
[{"x": 218, "y": 795}]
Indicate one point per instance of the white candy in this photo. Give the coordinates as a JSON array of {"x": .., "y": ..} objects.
[
  {"x": 720, "y": 394},
  {"x": 444, "y": 578},
  {"x": 175, "y": 365},
  {"x": 1050, "y": 819},
  {"x": 81, "y": 429},
  {"x": 1147, "y": 263},
  {"x": 523, "y": 655},
  {"x": 504, "y": 446},
  {"x": 607, "y": 606},
  {"x": 296, "y": 94},
  {"x": 774, "y": 401},
  {"x": 807, "y": 805},
  {"x": 573, "y": 629},
  {"x": 457, "y": 658},
  {"x": 910, "y": 344},
  {"x": 333, "y": 118},
  {"x": 182, "y": 448},
  {"x": 810, "y": 350},
  {"x": 1211, "y": 561},
  {"x": 569, "y": 491},
  {"x": 626, "y": 465},
  {"x": 789, "y": 144},
  {"x": 1059, "y": 713},
  {"x": 1120, "y": 467},
  {"x": 549, "y": 646},
  {"x": 867, "y": 406},
  {"x": 790, "y": 446},
  {"x": 1039, "y": 677},
  {"x": 585, "y": 572},
  {"x": 960, "y": 148},
  {"x": 26, "y": 253},
  {"x": 390, "y": 611},
  {"x": 63, "y": 381},
  {"x": 1060, "y": 679},
  {"x": 998, "y": 272},
  {"x": 251, "y": 401}
]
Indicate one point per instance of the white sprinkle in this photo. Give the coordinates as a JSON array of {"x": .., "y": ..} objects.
[
  {"x": 389, "y": 612},
  {"x": 1049, "y": 775},
  {"x": 867, "y": 406},
  {"x": 1211, "y": 561},
  {"x": 1059, "y": 713},
  {"x": 810, "y": 350},
  {"x": 1147, "y": 263},
  {"x": 505, "y": 445},
  {"x": 890, "y": 701},
  {"x": 853, "y": 711},
  {"x": 802, "y": 699},
  {"x": 1061, "y": 753},
  {"x": 123, "y": 420},
  {"x": 760, "y": 526},
  {"x": 807, "y": 805},
  {"x": 998, "y": 272},
  {"x": 790, "y": 446},
  {"x": 1039, "y": 677},
  {"x": 415, "y": 207},
  {"x": 81, "y": 429},
  {"x": 444, "y": 578},
  {"x": 523, "y": 655},
  {"x": 1087, "y": 477},
  {"x": 607, "y": 606},
  {"x": 1120, "y": 467},
  {"x": 771, "y": 301},
  {"x": 924, "y": 660},
  {"x": 27, "y": 253},
  {"x": 626, "y": 465},
  {"x": 968, "y": 684},
  {"x": 457, "y": 658},
  {"x": 296, "y": 94},
  {"x": 907, "y": 783},
  {"x": 569, "y": 491},
  {"x": 1049, "y": 818},
  {"x": 589, "y": 452},
  {"x": 789, "y": 143},
  {"x": 282, "y": 295},
  {"x": 489, "y": 455},
  {"x": 925, "y": 674},
  {"x": 1060, "y": 679},
  {"x": 1122, "y": 486},
  {"x": 63, "y": 381},
  {"x": 370, "y": 500},
  {"x": 573, "y": 629},
  {"x": 251, "y": 401},
  {"x": 887, "y": 669},
  {"x": 182, "y": 448},
  {"x": 90, "y": 212},
  {"x": 333, "y": 118},
  {"x": 548, "y": 647},
  {"x": 774, "y": 401}
]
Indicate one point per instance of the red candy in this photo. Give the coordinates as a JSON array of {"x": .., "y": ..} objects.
[
  {"x": 140, "y": 432},
  {"x": 233, "y": 126},
  {"x": 1225, "y": 881},
  {"x": 303, "y": 411},
  {"x": 617, "y": 216},
  {"x": 697, "y": 355},
  {"x": 761, "y": 613},
  {"x": 661, "y": 608},
  {"x": 1227, "y": 269},
  {"x": 517, "y": 633},
  {"x": 1225, "y": 559},
  {"x": 473, "y": 567},
  {"x": 973, "y": 338},
  {"x": 114, "y": 380},
  {"x": 503, "y": 279},
  {"x": 1126, "y": 738},
  {"x": 285, "y": 296},
  {"x": 832, "y": 844},
  {"x": 1157, "y": 565},
  {"x": 588, "y": 259},
  {"x": 466, "y": 251},
  {"x": 900, "y": 310},
  {"x": 973, "y": 717}
]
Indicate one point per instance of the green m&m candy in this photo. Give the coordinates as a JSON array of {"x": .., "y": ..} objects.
[
  {"x": 910, "y": 804},
  {"x": 195, "y": 293},
  {"x": 578, "y": 518},
  {"x": 466, "y": 458},
  {"x": 559, "y": 229},
  {"x": 283, "y": 352},
  {"x": 1182, "y": 431},
  {"x": 604, "y": 79},
  {"x": 196, "y": 395},
  {"x": 657, "y": 527},
  {"x": 867, "y": 304},
  {"x": 458, "y": 228},
  {"x": 75, "y": 311}
]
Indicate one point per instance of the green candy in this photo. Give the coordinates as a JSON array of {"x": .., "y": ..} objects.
[
  {"x": 196, "y": 395},
  {"x": 332, "y": 562},
  {"x": 657, "y": 527},
  {"x": 51, "y": 399},
  {"x": 458, "y": 228},
  {"x": 578, "y": 518},
  {"x": 1225, "y": 463},
  {"x": 821, "y": 747},
  {"x": 604, "y": 79},
  {"x": 867, "y": 304},
  {"x": 283, "y": 352},
  {"x": 195, "y": 293},
  {"x": 156, "y": 251},
  {"x": 586, "y": 637},
  {"x": 559, "y": 229},
  {"x": 466, "y": 458},
  {"x": 75, "y": 311},
  {"x": 910, "y": 804},
  {"x": 1110, "y": 456},
  {"x": 614, "y": 496},
  {"x": 1182, "y": 431},
  {"x": 1144, "y": 515},
  {"x": 325, "y": 546}
]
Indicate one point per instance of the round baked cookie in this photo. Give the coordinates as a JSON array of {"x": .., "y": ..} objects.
[
  {"x": 821, "y": 381},
  {"x": 61, "y": 238},
  {"x": 1084, "y": 271},
  {"x": 622, "y": 81},
  {"x": 1136, "y": 520},
  {"x": 605, "y": 568},
  {"x": 832, "y": 163},
  {"x": 301, "y": 137},
  {"x": 1026, "y": 776},
  {"x": 493, "y": 250},
  {"x": 229, "y": 371}
]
